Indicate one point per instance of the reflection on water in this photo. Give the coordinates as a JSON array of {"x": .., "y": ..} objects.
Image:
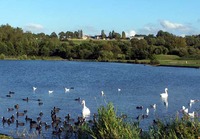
[{"x": 165, "y": 101}]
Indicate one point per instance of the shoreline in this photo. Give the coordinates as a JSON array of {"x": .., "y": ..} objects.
[{"x": 108, "y": 61}]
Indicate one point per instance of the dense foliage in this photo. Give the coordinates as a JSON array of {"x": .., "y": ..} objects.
[
  {"x": 16, "y": 42},
  {"x": 107, "y": 125}
]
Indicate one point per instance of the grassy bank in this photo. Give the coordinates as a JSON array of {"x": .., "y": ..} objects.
[
  {"x": 164, "y": 60},
  {"x": 172, "y": 60}
]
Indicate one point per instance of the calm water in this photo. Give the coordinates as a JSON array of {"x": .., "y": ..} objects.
[{"x": 139, "y": 84}]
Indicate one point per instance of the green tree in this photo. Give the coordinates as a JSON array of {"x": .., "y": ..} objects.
[
  {"x": 103, "y": 35},
  {"x": 123, "y": 35}
]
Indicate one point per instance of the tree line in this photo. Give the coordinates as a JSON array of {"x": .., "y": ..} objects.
[{"x": 16, "y": 42}]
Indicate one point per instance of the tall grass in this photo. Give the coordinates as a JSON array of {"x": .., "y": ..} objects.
[{"x": 107, "y": 125}]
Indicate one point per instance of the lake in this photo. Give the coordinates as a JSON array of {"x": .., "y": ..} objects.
[{"x": 140, "y": 85}]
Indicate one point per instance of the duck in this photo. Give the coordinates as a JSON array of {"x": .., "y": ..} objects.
[
  {"x": 19, "y": 123},
  {"x": 11, "y": 92},
  {"x": 27, "y": 118},
  {"x": 47, "y": 126},
  {"x": 139, "y": 107},
  {"x": 78, "y": 99},
  {"x": 8, "y": 95},
  {"x": 165, "y": 94},
  {"x": 85, "y": 110},
  {"x": 20, "y": 114},
  {"x": 25, "y": 99},
  {"x": 10, "y": 109},
  {"x": 153, "y": 106},
  {"x": 16, "y": 106}
]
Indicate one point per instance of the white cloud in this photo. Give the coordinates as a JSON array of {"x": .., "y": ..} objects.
[
  {"x": 170, "y": 25},
  {"x": 34, "y": 27},
  {"x": 131, "y": 33},
  {"x": 149, "y": 29},
  {"x": 179, "y": 29}
]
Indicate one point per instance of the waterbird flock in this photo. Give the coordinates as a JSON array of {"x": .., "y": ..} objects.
[
  {"x": 58, "y": 125},
  {"x": 20, "y": 117},
  {"x": 164, "y": 98}
]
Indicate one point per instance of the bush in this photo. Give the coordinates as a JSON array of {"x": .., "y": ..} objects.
[
  {"x": 2, "y": 56},
  {"x": 109, "y": 126},
  {"x": 183, "y": 128},
  {"x": 153, "y": 60}
]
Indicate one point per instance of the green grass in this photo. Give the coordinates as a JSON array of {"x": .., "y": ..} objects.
[
  {"x": 107, "y": 125},
  {"x": 24, "y": 57},
  {"x": 167, "y": 57},
  {"x": 172, "y": 60},
  {"x": 2, "y": 136},
  {"x": 80, "y": 41}
]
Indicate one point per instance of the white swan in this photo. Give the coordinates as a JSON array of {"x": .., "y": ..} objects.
[
  {"x": 85, "y": 110},
  {"x": 153, "y": 106},
  {"x": 34, "y": 88},
  {"x": 164, "y": 95},
  {"x": 67, "y": 90},
  {"x": 147, "y": 111},
  {"x": 50, "y": 91},
  {"x": 184, "y": 109},
  {"x": 119, "y": 89},
  {"x": 102, "y": 93},
  {"x": 191, "y": 115}
]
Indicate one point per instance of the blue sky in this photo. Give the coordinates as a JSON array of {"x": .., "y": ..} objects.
[{"x": 180, "y": 17}]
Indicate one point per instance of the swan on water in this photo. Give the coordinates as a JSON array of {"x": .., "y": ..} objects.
[
  {"x": 34, "y": 88},
  {"x": 191, "y": 115},
  {"x": 147, "y": 111},
  {"x": 50, "y": 91},
  {"x": 165, "y": 94},
  {"x": 153, "y": 106},
  {"x": 102, "y": 93},
  {"x": 67, "y": 90},
  {"x": 119, "y": 89},
  {"x": 85, "y": 110},
  {"x": 184, "y": 109}
]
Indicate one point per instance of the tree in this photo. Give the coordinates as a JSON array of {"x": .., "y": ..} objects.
[
  {"x": 103, "y": 35},
  {"x": 53, "y": 35},
  {"x": 110, "y": 35},
  {"x": 123, "y": 35},
  {"x": 62, "y": 36},
  {"x": 80, "y": 34}
]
